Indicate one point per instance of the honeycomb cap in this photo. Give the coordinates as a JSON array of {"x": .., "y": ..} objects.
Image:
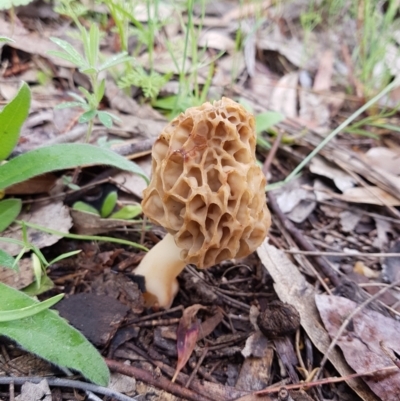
[{"x": 206, "y": 188}]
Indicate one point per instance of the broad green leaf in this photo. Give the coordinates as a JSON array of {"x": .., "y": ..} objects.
[
  {"x": 48, "y": 335},
  {"x": 267, "y": 120},
  {"x": 127, "y": 212},
  {"x": 60, "y": 157},
  {"x": 12, "y": 117},
  {"x": 74, "y": 56},
  {"x": 8, "y": 4},
  {"x": 9, "y": 211},
  {"x": 109, "y": 204},
  {"x": 85, "y": 207},
  {"x": 7, "y": 261},
  {"x": 9, "y": 315},
  {"x": 105, "y": 119}
]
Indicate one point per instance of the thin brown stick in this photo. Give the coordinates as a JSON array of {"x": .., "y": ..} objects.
[
  {"x": 326, "y": 381},
  {"x": 196, "y": 368},
  {"x": 156, "y": 381},
  {"x": 272, "y": 153}
]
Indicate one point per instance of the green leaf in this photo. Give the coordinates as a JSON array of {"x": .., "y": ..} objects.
[
  {"x": 74, "y": 56},
  {"x": 105, "y": 118},
  {"x": 85, "y": 207},
  {"x": 109, "y": 204},
  {"x": 88, "y": 70},
  {"x": 48, "y": 335},
  {"x": 77, "y": 97},
  {"x": 37, "y": 269},
  {"x": 9, "y": 315},
  {"x": 67, "y": 105},
  {"x": 60, "y": 157},
  {"x": 267, "y": 120},
  {"x": 12, "y": 117},
  {"x": 101, "y": 90},
  {"x": 5, "y": 38},
  {"x": 7, "y": 261},
  {"x": 117, "y": 59},
  {"x": 8, "y": 4},
  {"x": 64, "y": 256},
  {"x": 45, "y": 285},
  {"x": 87, "y": 116},
  {"x": 9, "y": 211},
  {"x": 94, "y": 38},
  {"x": 127, "y": 212}
]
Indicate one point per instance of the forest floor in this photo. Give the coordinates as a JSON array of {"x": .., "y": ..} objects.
[{"x": 316, "y": 78}]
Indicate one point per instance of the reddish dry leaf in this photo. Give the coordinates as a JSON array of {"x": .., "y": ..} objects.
[
  {"x": 187, "y": 335},
  {"x": 360, "y": 342}
]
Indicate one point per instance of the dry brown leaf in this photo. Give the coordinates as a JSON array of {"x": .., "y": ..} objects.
[
  {"x": 91, "y": 224},
  {"x": 384, "y": 158},
  {"x": 32, "y": 42},
  {"x": 327, "y": 169},
  {"x": 284, "y": 95},
  {"x": 216, "y": 39},
  {"x": 314, "y": 111},
  {"x": 122, "y": 384},
  {"x": 323, "y": 77},
  {"x": 186, "y": 336},
  {"x": 132, "y": 182},
  {"x": 360, "y": 342},
  {"x": 255, "y": 372},
  {"x": 370, "y": 195},
  {"x": 36, "y": 185},
  {"x": 54, "y": 216},
  {"x": 21, "y": 278},
  {"x": 291, "y": 287},
  {"x": 245, "y": 11}
]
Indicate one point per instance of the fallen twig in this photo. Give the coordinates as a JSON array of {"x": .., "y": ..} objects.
[
  {"x": 56, "y": 382},
  {"x": 156, "y": 381},
  {"x": 329, "y": 380}
]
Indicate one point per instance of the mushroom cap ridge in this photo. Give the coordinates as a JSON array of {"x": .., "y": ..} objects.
[{"x": 206, "y": 188}]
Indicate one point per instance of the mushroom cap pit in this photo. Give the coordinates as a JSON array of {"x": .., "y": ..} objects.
[{"x": 206, "y": 188}]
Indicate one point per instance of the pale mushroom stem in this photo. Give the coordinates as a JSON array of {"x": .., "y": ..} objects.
[{"x": 160, "y": 267}]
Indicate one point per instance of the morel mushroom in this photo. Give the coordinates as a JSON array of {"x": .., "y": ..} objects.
[{"x": 207, "y": 191}]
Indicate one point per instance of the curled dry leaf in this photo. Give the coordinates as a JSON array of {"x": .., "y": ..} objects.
[
  {"x": 187, "y": 335},
  {"x": 360, "y": 342},
  {"x": 342, "y": 180}
]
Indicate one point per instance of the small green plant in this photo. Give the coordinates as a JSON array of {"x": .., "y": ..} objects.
[
  {"x": 123, "y": 12},
  {"x": 22, "y": 318},
  {"x": 88, "y": 64}
]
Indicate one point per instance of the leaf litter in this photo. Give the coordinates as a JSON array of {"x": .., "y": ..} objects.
[{"x": 347, "y": 200}]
